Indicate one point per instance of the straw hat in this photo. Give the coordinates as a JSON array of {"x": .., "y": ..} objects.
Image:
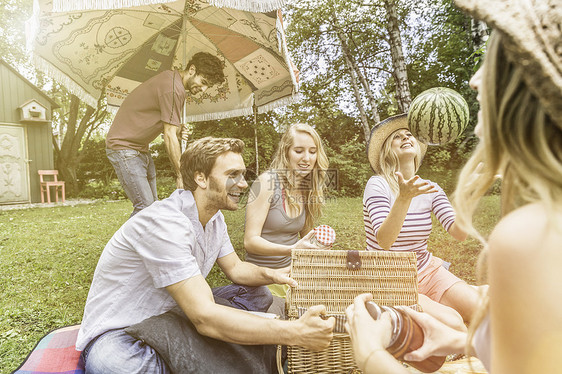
[
  {"x": 532, "y": 39},
  {"x": 380, "y": 132}
]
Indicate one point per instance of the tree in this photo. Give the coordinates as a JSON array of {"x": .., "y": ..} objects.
[
  {"x": 400, "y": 73},
  {"x": 357, "y": 45},
  {"x": 13, "y": 15},
  {"x": 352, "y": 74},
  {"x": 317, "y": 33},
  {"x": 78, "y": 122},
  {"x": 245, "y": 129},
  {"x": 355, "y": 73},
  {"x": 445, "y": 59}
]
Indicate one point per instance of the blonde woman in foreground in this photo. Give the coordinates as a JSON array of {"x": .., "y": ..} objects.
[{"x": 518, "y": 329}]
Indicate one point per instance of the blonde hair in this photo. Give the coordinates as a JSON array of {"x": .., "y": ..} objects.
[
  {"x": 389, "y": 162},
  {"x": 200, "y": 156},
  {"x": 315, "y": 183},
  {"x": 520, "y": 142}
]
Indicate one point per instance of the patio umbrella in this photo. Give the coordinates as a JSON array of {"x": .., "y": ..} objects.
[{"x": 89, "y": 50}]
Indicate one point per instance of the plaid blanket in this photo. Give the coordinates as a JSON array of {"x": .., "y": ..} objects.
[{"x": 55, "y": 353}]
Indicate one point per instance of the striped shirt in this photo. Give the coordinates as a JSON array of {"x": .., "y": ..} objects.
[{"x": 377, "y": 201}]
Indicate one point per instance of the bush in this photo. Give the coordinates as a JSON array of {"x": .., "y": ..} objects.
[
  {"x": 165, "y": 186},
  {"x": 94, "y": 164},
  {"x": 352, "y": 168},
  {"x": 112, "y": 190},
  {"x": 161, "y": 161},
  {"x": 97, "y": 189}
]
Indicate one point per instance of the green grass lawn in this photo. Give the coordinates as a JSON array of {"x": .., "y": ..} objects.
[{"x": 48, "y": 257}]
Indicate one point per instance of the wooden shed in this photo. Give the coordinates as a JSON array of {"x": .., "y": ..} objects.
[{"x": 26, "y": 141}]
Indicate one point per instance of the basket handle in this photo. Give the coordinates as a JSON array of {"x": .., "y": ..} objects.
[{"x": 353, "y": 260}]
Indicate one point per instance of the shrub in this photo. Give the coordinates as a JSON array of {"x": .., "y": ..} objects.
[
  {"x": 352, "y": 168},
  {"x": 97, "y": 189},
  {"x": 94, "y": 164},
  {"x": 165, "y": 186}
]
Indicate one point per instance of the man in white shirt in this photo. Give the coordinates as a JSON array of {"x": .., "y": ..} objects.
[{"x": 159, "y": 259}]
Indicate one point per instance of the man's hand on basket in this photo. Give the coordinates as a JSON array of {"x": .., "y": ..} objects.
[
  {"x": 281, "y": 276},
  {"x": 316, "y": 333}
]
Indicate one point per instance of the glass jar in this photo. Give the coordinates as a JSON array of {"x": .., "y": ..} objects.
[{"x": 407, "y": 336}]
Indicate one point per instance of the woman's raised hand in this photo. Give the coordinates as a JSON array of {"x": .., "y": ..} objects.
[{"x": 413, "y": 187}]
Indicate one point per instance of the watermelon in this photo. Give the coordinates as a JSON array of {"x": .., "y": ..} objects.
[{"x": 438, "y": 116}]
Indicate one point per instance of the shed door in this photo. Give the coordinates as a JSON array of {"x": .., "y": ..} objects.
[{"x": 13, "y": 166}]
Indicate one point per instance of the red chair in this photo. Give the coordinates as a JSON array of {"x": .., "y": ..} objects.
[{"x": 47, "y": 184}]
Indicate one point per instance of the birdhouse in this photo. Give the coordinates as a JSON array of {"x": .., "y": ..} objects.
[{"x": 33, "y": 111}]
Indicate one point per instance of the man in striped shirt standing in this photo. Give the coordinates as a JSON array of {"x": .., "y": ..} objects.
[{"x": 397, "y": 207}]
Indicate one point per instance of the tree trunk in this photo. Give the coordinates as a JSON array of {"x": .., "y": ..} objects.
[
  {"x": 400, "y": 73},
  {"x": 354, "y": 72},
  {"x": 357, "y": 93},
  {"x": 364, "y": 83},
  {"x": 78, "y": 129},
  {"x": 479, "y": 31}
]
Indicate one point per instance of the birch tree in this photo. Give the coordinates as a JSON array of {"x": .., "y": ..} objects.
[
  {"x": 399, "y": 73},
  {"x": 327, "y": 36}
]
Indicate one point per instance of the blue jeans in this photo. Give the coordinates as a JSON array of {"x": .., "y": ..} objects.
[
  {"x": 137, "y": 174},
  {"x": 257, "y": 299},
  {"x": 115, "y": 351}
]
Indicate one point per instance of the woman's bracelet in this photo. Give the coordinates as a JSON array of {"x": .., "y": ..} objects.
[{"x": 371, "y": 355}]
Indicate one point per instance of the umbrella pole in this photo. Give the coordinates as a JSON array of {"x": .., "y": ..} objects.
[
  {"x": 256, "y": 138},
  {"x": 183, "y": 138}
]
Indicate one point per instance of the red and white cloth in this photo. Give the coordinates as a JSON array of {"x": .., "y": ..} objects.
[{"x": 325, "y": 235}]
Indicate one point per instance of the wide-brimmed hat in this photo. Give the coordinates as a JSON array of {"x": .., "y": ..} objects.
[
  {"x": 532, "y": 38},
  {"x": 380, "y": 132}
]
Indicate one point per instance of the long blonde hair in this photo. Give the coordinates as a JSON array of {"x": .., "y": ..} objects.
[
  {"x": 389, "y": 162},
  {"x": 314, "y": 188},
  {"x": 520, "y": 142}
]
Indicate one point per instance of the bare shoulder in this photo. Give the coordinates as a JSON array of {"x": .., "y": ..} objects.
[
  {"x": 525, "y": 273},
  {"x": 262, "y": 188},
  {"x": 526, "y": 227},
  {"x": 268, "y": 178},
  {"x": 526, "y": 243}
]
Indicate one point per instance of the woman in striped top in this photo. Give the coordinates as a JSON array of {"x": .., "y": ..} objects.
[{"x": 397, "y": 207}]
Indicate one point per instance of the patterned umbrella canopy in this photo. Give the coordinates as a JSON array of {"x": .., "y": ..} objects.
[{"x": 88, "y": 50}]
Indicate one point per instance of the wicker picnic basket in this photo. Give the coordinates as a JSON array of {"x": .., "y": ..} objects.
[{"x": 334, "y": 278}]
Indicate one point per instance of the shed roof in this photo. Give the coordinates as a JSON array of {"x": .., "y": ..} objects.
[{"x": 41, "y": 92}]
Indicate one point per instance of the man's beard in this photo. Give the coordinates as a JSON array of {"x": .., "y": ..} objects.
[{"x": 224, "y": 200}]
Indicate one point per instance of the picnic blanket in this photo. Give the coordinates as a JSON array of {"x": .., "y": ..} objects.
[{"x": 55, "y": 353}]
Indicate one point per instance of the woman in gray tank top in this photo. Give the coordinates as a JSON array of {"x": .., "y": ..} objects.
[{"x": 286, "y": 201}]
